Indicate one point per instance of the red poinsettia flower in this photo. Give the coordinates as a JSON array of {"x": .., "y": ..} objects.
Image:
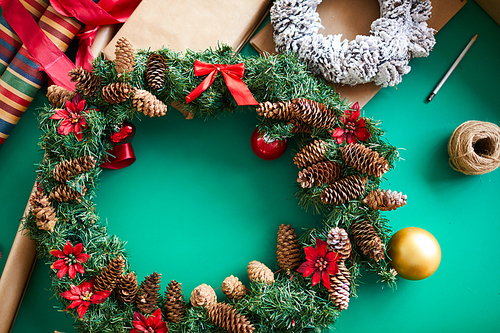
[
  {"x": 152, "y": 324},
  {"x": 84, "y": 295},
  {"x": 354, "y": 128},
  {"x": 73, "y": 120},
  {"x": 320, "y": 262},
  {"x": 70, "y": 260}
]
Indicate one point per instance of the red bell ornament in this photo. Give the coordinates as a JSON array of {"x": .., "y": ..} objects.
[{"x": 266, "y": 149}]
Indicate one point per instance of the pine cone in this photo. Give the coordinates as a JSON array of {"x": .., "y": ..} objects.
[
  {"x": 155, "y": 71},
  {"x": 367, "y": 240},
  {"x": 364, "y": 159},
  {"x": 259, "y": 272},
  {"x": 148, "y": 294},
  {"x": 110, "y": 275},
  {"x": 314, "y": 113},
  {"x": 319, "y": 173},
  {"x": 174, "y": 302},
  {"x": 288, "y": 248},
  {"x": 385, "y": 200},
  {"x": 116, "y": 92},
  {"x": 126, "y": 288},
  {"x": 299, "y": 126},
  {"x": 58, "y": 96},
  {"x": 338, "y": 241},
  {"x": 312, "y": 153},
  {"x": 44, "y": 212},
  {"x": 86, "y": 81},
  {"x": 343, "y": 190},
  {"x": 225, "y": 316},
  {"x": 67, "y": 169},
  {"x": 148, "y": 104},
  {"x": 280, "y": 110},
  {"x": 124, "y": 56},
  {"x": 64, "y": 193},
  {"x": 340, "y": 287},
  {"x": 203, "y": 295},
  {"x": 233, "y": 288}
]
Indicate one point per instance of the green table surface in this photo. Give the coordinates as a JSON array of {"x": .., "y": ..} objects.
[{"x": 198, "y": 205}]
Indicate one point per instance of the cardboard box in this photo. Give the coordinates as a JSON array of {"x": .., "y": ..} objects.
[{"x": 492, "y": 7}]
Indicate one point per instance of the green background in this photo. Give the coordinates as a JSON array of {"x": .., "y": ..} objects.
[{"x": 198, "y": 205}]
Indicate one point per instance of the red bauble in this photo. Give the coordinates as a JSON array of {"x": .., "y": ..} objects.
[{"x": 267, "y": 150}]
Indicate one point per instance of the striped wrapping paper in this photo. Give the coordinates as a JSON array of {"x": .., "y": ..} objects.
[
  {"x": 9, "y": 41},
  {"x": 21, "y": 80}
]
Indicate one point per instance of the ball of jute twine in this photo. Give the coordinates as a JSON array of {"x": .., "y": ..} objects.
[{"x": 474, "y": 147}]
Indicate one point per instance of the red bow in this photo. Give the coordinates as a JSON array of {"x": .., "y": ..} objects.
[{"x": 232, "y": 74}]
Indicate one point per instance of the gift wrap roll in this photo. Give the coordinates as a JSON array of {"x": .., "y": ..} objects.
[{"x": 22, "y": 79}]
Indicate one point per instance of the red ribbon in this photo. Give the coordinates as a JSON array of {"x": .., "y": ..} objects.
[
  {"x": 121, "y": 156},
  {"x": 232, "y": 74}
]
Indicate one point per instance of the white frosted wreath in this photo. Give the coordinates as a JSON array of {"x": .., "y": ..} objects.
[{"x": 400, "y": 34}]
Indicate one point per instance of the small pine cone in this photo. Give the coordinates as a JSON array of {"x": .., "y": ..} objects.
[
  {"x": 147, "y": 103},
  {"x": 367, "y": 240},
  {"x": 174, "y": 302},
  {"x": 116, "y": 92},
  {"x": 148, "y": 294},
  {"x": 288, "y": 248},
  {"x": 312, "y": 153},
  {"x": 338, "y": 241},
  {"x": 279, "y": 110},
  {"x": 203, "y": 295},
  {"x": 385, "y": 200},
  {"x": 314, "y": 113},
  {"x": 124, "y": 56},
  {"x": 343, "y": 190},
  {"x": 67, "y": 169},
  {"x": 126, "y": 288},
  {"x": 225, "y": 316},
  {"x": 233, "y": 288},
  {"x": 340, "y": 287},
  {"x": 259, "y": 272},
  {"x": 319, "y": 173},
  {"x": 58, "y": 96},
  {"x": 364, "y": 159},
  {"x": 86, "y": 81},
  {"x": 155, "y": 71},
  {"x": 64, "y": 193},
  {"x": 44, "y": 212},
  {"x": 110, "y": 275}
]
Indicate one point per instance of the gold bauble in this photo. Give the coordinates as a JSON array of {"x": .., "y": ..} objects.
[{"x": 414, "y": 252}]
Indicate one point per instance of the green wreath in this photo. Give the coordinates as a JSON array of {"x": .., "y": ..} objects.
[{"x": 340, "y": 179}]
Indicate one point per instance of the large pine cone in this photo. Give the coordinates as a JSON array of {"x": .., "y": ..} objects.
[
  {"x": 385, "y": 200},
  {"x": 86, "y": 81},
  {"x": 58, "y": 96},
  {"x": 126, "y": 288},
  {"x": 203, "y": 295},
  {"x": 288, "y": 248},
  {"x": 148, "y": 294},
  {"x": 233, "y": 288},
  {"x": 64, "y": 193},
  {"x": 280, "y": 110},
  {"x": 313, "y": 113},
  {"x": 225, "y": 316},
  {"x": 124, "y": 56},
  {"x": 147, "y": 103},
  {"x": 312, "y": 153},
  {"x": 299, "y": 126},
  {"x": 116, "y": 92},
  {"x": 343, "y": 190},
  {"x": 367, "y": 240},
  {"x": 67, "y": 169},
  {"x": 338, "y": 241},
  {"x": 319, "y": 174},
  {"x": 259, "y": 272},
  {"x": 155, "y": 71},
  {"x": 110, "y": 275},
  {"x": 364, "y": 159},
  {"x": 174, "y": 302},
  {"x": 340, "y": 287},
  {"x": 44, "y": 212}
]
